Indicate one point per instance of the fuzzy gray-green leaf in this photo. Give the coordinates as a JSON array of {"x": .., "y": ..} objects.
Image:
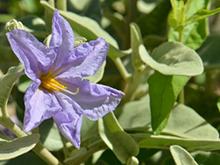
[
  {"x": 181, "y": 156},
  {"x": 19, "y": 146},
  {"x": 173, "y": 58}
]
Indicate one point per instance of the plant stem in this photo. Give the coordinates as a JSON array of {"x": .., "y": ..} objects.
[
  {"x": 132, "y": 86},
  {"x": 121, "y": 68},
  {"x": 4, "y": 110},
  {"x": 132, "y": 10},
  {"x": 181, "y": 95},
  {"x": 52, "y": 3},
  {"x": 81, "y": 157},
  {"x": 65, "y": 147},
  {"x": 44, "y": 154},
  {"x": 180, "y": 35},
  {"x": 41, "y": 151},
  {"x": 62, "y": 5}
]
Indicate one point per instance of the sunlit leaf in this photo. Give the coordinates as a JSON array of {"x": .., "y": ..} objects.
[
  {"x": 7, "y": 82},
  {"x": 121, "y": 143},
  {"x": 173, "y": 58},
  {"x": 136, "y": 114},
  {"x": 89, "y": 130},
  {"x": 132, "y": 161},
  {"x": 163, "y": 92},
  {"x": 164, "y": 141},
  {"x": 193, "y": 6},
  {"x": 202, "y": 14},
  {"x": 185, "y": 122},
  {"x": 181, "y": 156},
  {"x": 19, "y": 146},
  {"x": 136, "y": 41},
  {"x": 23, "y": 86},
  {"x": 191, "y": 34}
]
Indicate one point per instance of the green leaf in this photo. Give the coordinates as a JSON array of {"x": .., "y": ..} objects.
[
  {"x": 30, "y": 6},
  {"x": 202, "y": 14},
  {"x": 163, "y": 92},
  {"x": 185, "y": 128},
  {"x": 98, "y": 75},
  {"x": 181, "y": 156},
  {"x": 136, "y": 114},
  {"x": 186, "y": 123},
  {"x": 22, "y": 87},
  {"x": 173, "y": 58},
  {"x": 29, "y": 157},
  {"x": 192, "y": 6},
  {"x": 7, "y": 82},
  {"x": 132, "y": 161},
  {"x": 89, "y": 130},
  {"x": 136, "y": 41},
  {"x": 5, "y": 18},
  {"x": 82, "y": 5},
  {"x": 50, "y": 136},
  {"x": 120, "y": 26},
  {"x": 177, "y": 16},
  {"x": 218, "y": 105},
  {"x": 163, "y": 142},
  {"x": 81, "y": 155},
  {"x": 183, "y": 121},
  {"x": 86, "y": 27},
  {"x": 7, "y": 57},
  {"x": 19, "y": 146},
  {"x": 121, "y": 143},
  {"x": 191, "y": 34}
]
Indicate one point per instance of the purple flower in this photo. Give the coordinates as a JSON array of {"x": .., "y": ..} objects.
[{"x": 59, "y": 88}]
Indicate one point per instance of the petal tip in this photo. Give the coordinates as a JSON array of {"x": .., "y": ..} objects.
[
  {"x": 27, "y": 128},
  {"x": 77, "y": 145}
]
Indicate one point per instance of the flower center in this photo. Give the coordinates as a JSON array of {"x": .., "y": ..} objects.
[{"x": 51, "y": 84}]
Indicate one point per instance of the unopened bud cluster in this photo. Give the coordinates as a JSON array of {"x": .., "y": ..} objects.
[{"x": 13, "y": 24}]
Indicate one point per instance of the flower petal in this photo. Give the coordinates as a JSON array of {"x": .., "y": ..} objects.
[
  {"x": 89, "y": 56},
  {"x": 94, "y": 99},
  {"x": 39, "y": 106},
  {"x": 62, "y": 39},
  {"x": 69, "y": 120},
  {"x": 35, "y": 56}
]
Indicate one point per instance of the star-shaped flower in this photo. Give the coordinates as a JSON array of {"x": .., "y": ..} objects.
[{"x": 59, "y": 89}]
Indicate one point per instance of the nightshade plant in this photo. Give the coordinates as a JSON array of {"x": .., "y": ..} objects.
[
  {"x": 158, "y": 62},
  {"x": 59, "y": 89}
]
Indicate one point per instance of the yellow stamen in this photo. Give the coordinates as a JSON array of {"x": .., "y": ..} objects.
[{"x": 51, "y": 85}]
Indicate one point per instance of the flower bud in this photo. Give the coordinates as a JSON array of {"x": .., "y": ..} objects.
[
  {"x": 79, "y": 40},
  {"x": 13, "y": 24},
  {"x": 47, "y": 40},
  {"x": 132, "y": 161}
]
